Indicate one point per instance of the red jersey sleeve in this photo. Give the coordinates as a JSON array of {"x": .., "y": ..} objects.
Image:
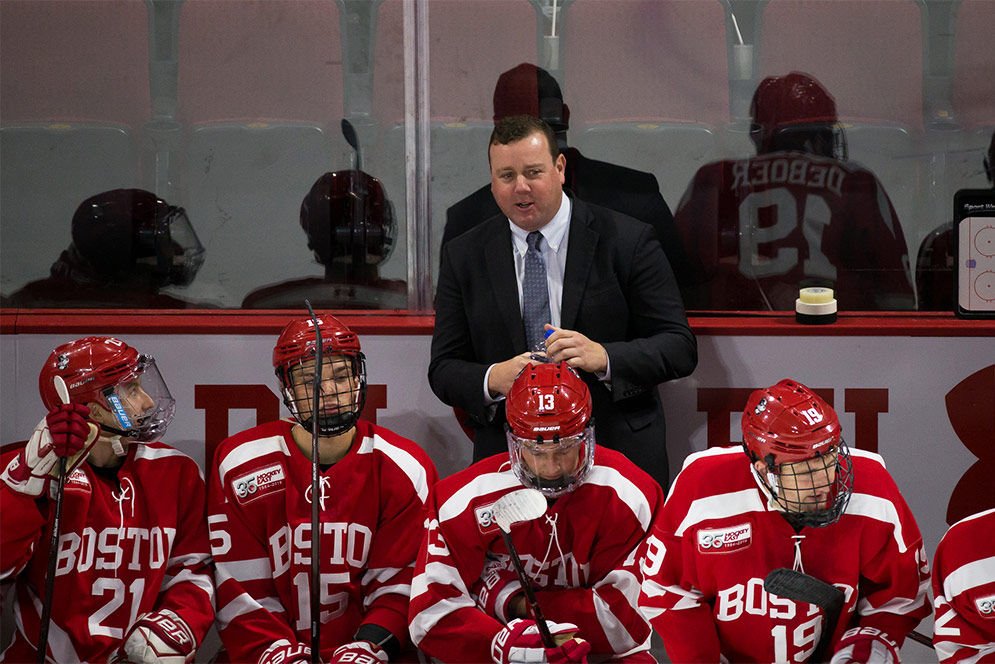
[
  {"x": 251, "y": 616},
  {"x": 607, "y": 610},
  {"x": 409, "y": 474},
  {"x": 670, "y": 596},
  {"x": 442, "y": 612},
  {"x": 964, "y": 591},
  {"x": 21, "y": 526},
  {"x": 188, "y": 585}
]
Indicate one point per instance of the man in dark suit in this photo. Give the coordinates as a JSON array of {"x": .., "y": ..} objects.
[
  {"x": 615, "y": 312},
  {"x": 530, "y": 90}
]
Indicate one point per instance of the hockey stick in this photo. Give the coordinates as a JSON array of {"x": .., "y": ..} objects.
[
  {"x": 921, "y": 638},
  {"x": 315, "y": 493},
  {"x": 53, "y": 547},
  {"x": 789, "y": 584},
  {"x": 514, "y": 507},
  {"x": 349, "y": 134}
]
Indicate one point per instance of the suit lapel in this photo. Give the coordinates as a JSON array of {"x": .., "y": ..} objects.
[
  {"x": 501, "y": 275},
  {"x": 580, "y": 256}
]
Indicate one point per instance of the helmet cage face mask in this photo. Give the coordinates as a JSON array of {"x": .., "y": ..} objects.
[
  {"x": 795, "y": 486},
  {"x": 574, "y": 455},
  {"x": 140, "y": 403},
  {"x": 343, "y": 389}
]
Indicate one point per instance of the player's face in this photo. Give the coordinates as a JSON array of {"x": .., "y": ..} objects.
[
  {"x": 526, "y": 182},
  {"x": 807, "y": 486},
  {"x": 550, "y": 462},
  {"x": 338, "y": 386},
  {"x": 134, "y": 402}
]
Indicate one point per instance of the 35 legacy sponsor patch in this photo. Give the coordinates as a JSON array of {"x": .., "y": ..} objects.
[
  {"x": 258, "y": 483},
  {"x": 485, "y": 518},
  {"x": 77, "y": 480},
  {"x": 723, "y": 540},
  {"x": 986, "y": 606}
]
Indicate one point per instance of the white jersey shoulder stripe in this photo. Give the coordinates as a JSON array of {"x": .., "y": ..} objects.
[
  {"x": 710, "y": 452},
  {"x": 870, "y": 456},
  {"x": 479, "y": 486},
  {"x": 975, "y": 516},
  {"x": 243, "y": 604},
  {"x": 720, "y": 506},
  {"x": 403, "y": 460},
  {"x": 627, "y": 492},
  {"x": 251, "y": 450},
  {"x": 879, "y": 509},
  {"x": 150, "y": 452},
  {"x": 971, "y": 575}
]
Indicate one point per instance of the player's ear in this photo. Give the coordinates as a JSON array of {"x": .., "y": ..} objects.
[
  {"x": 561, "y": 167},
  {"x": 98, "y": 413},
  {"x": 760, "y": 467}
]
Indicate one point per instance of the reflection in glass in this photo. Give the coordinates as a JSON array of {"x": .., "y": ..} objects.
[{"x": 796, "y": 215}]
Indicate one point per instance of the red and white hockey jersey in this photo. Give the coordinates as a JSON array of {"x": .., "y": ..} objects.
[
  {"x": 372, "y": 520},
  {"x": 125, "y": 548},
  {"x": 580, "y": 554},
  {"x": 758, "y": 229},
  {"x": 964, "y": 591},
  {"x": 718, "y": 537}
]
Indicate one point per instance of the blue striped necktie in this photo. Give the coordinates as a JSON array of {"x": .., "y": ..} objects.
[{"x": 535, "y": 293}]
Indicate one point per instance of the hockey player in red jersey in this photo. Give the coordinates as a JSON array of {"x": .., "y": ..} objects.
[
  {"x": 964, "y": 591},
  {"x": 132, "y": 578},
  {"x": 467, "y": 604},
  {"x": 374, "y": 484},
  {"x": 797, "y": 214},
  {"x": 797, "y": 499}
]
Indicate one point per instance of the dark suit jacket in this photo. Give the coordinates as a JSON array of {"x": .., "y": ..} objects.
[
  {"x": 626, "y": 190},
  {"x": 618, "y": 290}
]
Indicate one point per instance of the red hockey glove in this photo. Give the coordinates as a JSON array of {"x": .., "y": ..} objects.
[
  {"x": 160, "y": 637},
  {"x": 69, "y": 428},
  {"x": 29, "y": 471},
  {"x": 496, "y": 588},
  {"x": 866, "y": 645},
  {"x": 520, "y": 643},
  {"x": 284, "y": 652},
  {"x": 359, "y": 652}
]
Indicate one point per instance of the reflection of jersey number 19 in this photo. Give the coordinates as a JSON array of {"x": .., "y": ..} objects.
[{"x": 817, "y": 217}]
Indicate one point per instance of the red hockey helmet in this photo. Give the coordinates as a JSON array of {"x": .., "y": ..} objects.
[
  {"x": 111, "y": 373},
  {"x": 127, "y": 233},
  {"x": 795, "y": 112},
  {"x": 794, "y": 432},
  {"x": 348, "y": 219},
  {"x": 550, "y": 430},
  {"x": 343, "y": 373}
]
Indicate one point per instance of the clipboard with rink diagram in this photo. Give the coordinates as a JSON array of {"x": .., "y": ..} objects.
[{"x": 974, "y": 221}]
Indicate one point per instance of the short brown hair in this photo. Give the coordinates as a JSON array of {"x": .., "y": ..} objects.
[{"x": 517, "y": 127}]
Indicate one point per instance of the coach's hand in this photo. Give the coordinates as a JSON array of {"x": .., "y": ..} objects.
[
  {"x": 576, "y": 350},
  {"x": 503, "y": 374}
]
